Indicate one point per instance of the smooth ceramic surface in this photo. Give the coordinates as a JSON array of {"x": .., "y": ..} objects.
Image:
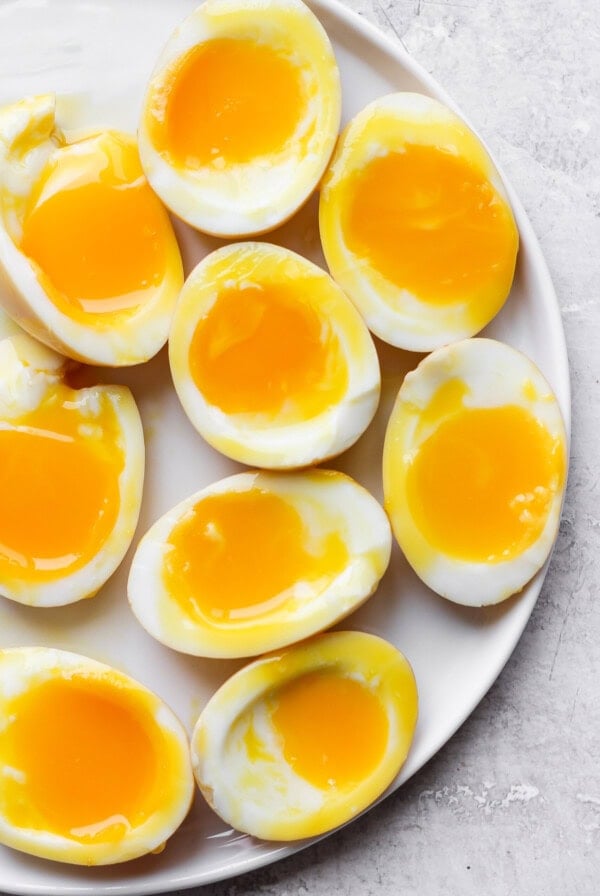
[{"x": 96, "y": 56}]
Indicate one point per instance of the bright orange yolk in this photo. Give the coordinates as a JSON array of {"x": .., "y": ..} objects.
[
  {"x": 228, "y": 99},
  {"x": 60, "y": 490},
  {"x": 266, "y": 350},
  {"x": 431, "y": 223},
  {"x": 480, "y": 487},
  {"x": 96, "y": 230},
  {"x": 235, "y": 555},
  {"x": 334, "y": 729},
  {"x": 85, "y": 757}
]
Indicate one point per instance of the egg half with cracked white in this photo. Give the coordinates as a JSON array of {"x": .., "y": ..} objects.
[
  {"x": 474, "y": 470},
  {"x": 89, "y": 263},
  {"x": 272, "y": 363},
  {"x": 241, "y": 115},
  {"x": 71, "y": 475},
  {"x": 257, "y": 561},
  {"x": 302, "y": 740},
  {"x": 415, "y": 223},
  {"x": 94, "y": 767}
]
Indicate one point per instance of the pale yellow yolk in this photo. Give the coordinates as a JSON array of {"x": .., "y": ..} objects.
[
  {"x": 96, "y": 230},
  {"x": 236, "y": 554},
  {"x": 481, "y": 486},
  {"x": 85, "y": 757},
  {"x": 266, "y": 350},
  {"x": 229, "y": 99},
  {"x": 60, "y": 490},
  {"x": 431, "y": 223},
  {"x": 334, "y": 729}
]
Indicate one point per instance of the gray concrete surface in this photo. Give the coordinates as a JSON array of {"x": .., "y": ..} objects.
[{"x": 511, "y": 805}]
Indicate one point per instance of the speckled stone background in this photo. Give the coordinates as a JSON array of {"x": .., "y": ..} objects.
[{"x": 511, "y": 805}]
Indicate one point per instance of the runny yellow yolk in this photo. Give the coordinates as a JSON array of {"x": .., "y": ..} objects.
[
  {"x": 431, "y": 223},
  {"x": 60, "y": 490},
  {"x": 334, "y": 730},
  {"x": 84, "y": 758},
  {"x": 228, "y": 99},
  {"x": 480, "y": 487},
  {"x": 265, "y": 350},
  {"x": 236, "y": 553},
  {"x": 95, "y": 228}
]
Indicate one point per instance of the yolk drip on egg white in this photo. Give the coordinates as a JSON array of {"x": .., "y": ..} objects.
[
  {"x": 236, "y": 554},
  {"x": 257, "y": 561},
  {"x": 474, "y": 470},
  {"x": 271, "y": 361},
  {"x": 59, "y": 480},
  {"x": 501, "y": 459},
  {"x": 95, "y": 229},
  {"x": 430, "y": 222},
  {"x": 302, "y": 740},
  {"x": 228, "y": 101},
  {"x": 72, "y": 742},
  {"x": 333, "y": 729},
  {"x": 95, "y": 768},
  {"x": 267, "y": 350}
]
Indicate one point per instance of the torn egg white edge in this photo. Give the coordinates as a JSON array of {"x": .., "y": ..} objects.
[
  {"x": 340, "y": 505},
  {"x": 139, "y": 335},
  {"x": 286, "y": 806},
  {"x": 395, "y": 315},
  {"x": 22, "y": 389},
  {"x": 20, "y": 667},
  {"x": 248, "y": 199},
  {"x": 495, "y": 374},
  {"x": 292, "y": 445}
]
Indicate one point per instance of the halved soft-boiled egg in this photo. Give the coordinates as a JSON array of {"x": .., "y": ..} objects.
[
  {"x": 71, "y": 474},
  {"x": 94, "y": 767},
  {"x": 241, "y": 115},
  {"x": 416, "y": 225},
  {"x": 474, "y": 470},
  {"x": 259, "y": 560},
  {"x": 89, "y": 263},
  {"x": 272, "y": 363},
  {"x": 302, "y": 740}
]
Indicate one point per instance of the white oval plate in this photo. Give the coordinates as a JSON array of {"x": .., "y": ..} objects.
[{"x": 97, "y": 56}]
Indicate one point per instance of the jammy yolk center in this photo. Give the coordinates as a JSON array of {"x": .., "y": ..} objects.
[
  {"x": 60, "y": 493},
  {"x": 334, "y": 730},
  {"x": 99, "y": 237},
  {"x": 229, "y": 99},
  {"x": 235, "y": 555},
  {"x": 84, "y": 758},
  {"x": 265, "y": 350},
  {"x": 481, "y": 486},
  {"x": 430, "y": 223}
]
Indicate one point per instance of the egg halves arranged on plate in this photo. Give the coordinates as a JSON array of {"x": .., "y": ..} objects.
[
  {"x": 302, "y": 740},
  {"x": 272, "y": 363},
  {"x": 474, "y": 470},
  {"x": 89, "y": 263},
  {"x": 415, "y": 223},
  {"x": 95, "y": 768},
  {"x": 259, "y": 560},
  {"x": 241, "y": 115},
  {"x": 71, "y": 474}
]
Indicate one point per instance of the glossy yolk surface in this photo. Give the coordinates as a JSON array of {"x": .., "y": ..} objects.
[
  {"x": 334, "y": 730},
  {"x": 60, "y": 491},
  {"x": 85, "y": 758},
  {"x": 266, "y": 350},
  {"x": 430, "y": 223},
  {"x": 229, "y": 99},
  {"x": 480, "y": 487},
  {"x": 96, "y": 230},
  {"x": 236, "y": 554}
]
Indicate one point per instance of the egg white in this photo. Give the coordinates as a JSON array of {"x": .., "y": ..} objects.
[{"x": 495, "y": 375}]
